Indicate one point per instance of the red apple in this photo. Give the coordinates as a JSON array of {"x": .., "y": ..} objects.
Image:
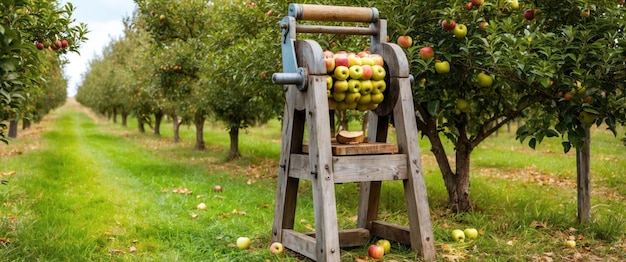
[
  {"x": 483, "y": 24},
  {"x": 328, "y": 54},
  {"x": 341, "y": 60},
  {"x": 448, "y": 24},
  {"x": 64, "y": 43},
  {"x": 405, "y": 41},
  {"x": 427, "y": 53},
  {"x": 217, "y": 188},
  {"x": 330, "y": 64},
  {"x": 585, "y": 13},
  {"x": 529, "y": 14},
  {"x": 363, "y": 54},
  {"x": 469, "y": 6},
  {"x": 367, "y": 72},
  {"x": 378, "y": 59},
  {"x": 39, "y": 45},
  {"x": 376, "y": 251}
]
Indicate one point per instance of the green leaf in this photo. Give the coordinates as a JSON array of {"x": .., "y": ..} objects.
[
  {"x": 566, "y": 146},
  {"x": 532, "y": 143},
  {"x": 433, "y": 107}
]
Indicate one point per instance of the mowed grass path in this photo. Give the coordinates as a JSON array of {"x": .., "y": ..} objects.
[
  {"x": 93, "y": 190},
  {"x": 89, "y": 195}
]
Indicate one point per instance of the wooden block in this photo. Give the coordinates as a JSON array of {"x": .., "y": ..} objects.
[
  {"x": 372, "y": 148},
  {"x": 354, "y": 237}
]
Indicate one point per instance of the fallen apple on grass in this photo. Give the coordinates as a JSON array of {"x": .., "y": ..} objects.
[
  {"x": 376, "y": 251},
  {"x": 385, "y": 244},
  {"x": 277, "y": 248},
  {"x": 458, "y": 235},
  {"x": 201, "y": 206},
  {"x": 243, "y": 242},
  {"x": 217, "y": 188},
  {"x": 471, "y": 233}
]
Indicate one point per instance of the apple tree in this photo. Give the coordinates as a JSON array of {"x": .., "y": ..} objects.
[
  {"x": 179, "y": 31},
  {"x": 247, "y": 52},
  {"x": 559, "y": 59},
  {"x": 27, "y": 30}
]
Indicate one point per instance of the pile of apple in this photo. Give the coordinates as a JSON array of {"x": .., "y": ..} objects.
[{"x": 355, "y": 80}]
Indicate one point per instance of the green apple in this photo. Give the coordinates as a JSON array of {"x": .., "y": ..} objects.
[
  {"x": 366, "y": 87},
  {"x": 587, "y": 118},
  {"x": 378, "y": 72},
  {"x": 385, "y": 244},
  {"x": 471, "y": 233},
  {"x": 367, "y": 61},
  {"x": 354, "y": 59},
  {"x": 352, "y": 98},
  {"x": 354, "y": 85},
  {"x": 458, "y": 235},
  {"x": 277, "y": 248},
  {"x": 570, "y": 243},
  {"x": 362, "y": 107},
  {"x": 342, "y": 106},
  {"x": 379, "y": 86},
  {"x": 373, "y": 106},
  {"x": 463, "y": 105},
  {"x": 365, "y": 99},
  {"x": 378, "y": 59},
  {"x": 356, "y": 71},
  {"x": 341, "y": 73},
  {"x": 442, "y": 67},
  {"x": 377, "y": 98},
  {"x": 460, "y": 30},
  {"x": 340, "y": 86},
  {"x": 243, "y": 242},
  {"x": 339, "y": 96},
  {"x": 484, "y": 80},
  {"x": 329, "y": 82}
]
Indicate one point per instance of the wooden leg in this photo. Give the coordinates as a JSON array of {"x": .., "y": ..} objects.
[
  {"x": 369, "y": 200},
  {"x": 320, "y": 156}
]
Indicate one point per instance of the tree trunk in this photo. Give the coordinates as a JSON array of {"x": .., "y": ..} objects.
[
  {"x": 114, "y": 115},
  {"x": 13, "y": 128},
  {"x": 158, "y": 116},
  {"x": 25, "y": 124},
  {"x": 583, "y": 178},
  {"x": 234, "y": 143},
  {"x": 124, "y": 116},
  {"x": 459, "y": 200},
  {"x": 199, "y": 122},
  {"x": 141, "y": 124},
  {"x": 176, "y": 122},
  {"x": 457, "y": 184}
]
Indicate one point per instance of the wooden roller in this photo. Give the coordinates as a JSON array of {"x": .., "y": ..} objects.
[{"x": 333, "y": 13}]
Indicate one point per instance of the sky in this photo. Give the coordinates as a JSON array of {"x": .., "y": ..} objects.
[{"x": 104, "y": 21}]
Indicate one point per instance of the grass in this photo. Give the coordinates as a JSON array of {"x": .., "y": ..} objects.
[{"x": 86, "y": 189}]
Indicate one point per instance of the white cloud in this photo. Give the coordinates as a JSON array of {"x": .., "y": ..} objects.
[{"x": 104, "y": 22}]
